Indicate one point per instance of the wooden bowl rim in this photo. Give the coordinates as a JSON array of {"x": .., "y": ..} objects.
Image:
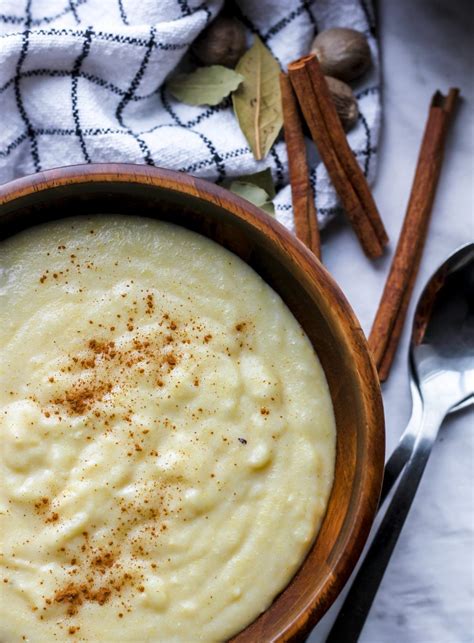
[{"x": 320, "y": 279}]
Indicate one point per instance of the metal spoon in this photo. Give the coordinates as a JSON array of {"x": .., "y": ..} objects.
[
  {"x": 442, "y": 372},
  {"x": 402, "y": 452}
]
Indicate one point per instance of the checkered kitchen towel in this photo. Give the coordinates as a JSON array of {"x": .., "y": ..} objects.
[{"x": 83, "y": 81}]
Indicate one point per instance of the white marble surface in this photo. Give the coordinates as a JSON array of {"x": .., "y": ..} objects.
[{"x": 427, "y": 595}]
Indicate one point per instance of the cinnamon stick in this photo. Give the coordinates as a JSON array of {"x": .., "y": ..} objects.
[
  {"x": 328, "y": 134},
  {"x": 304, "y": 210},
  {"x": 390, "y": 317}
]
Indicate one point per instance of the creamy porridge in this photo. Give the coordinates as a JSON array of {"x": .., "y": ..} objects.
[{"x": 167, "y": 433}]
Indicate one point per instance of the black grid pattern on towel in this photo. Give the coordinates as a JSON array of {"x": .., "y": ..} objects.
[{"x": 212, "y": 160}]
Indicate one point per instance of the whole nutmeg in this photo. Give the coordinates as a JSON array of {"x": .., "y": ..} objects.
[
  {"x": 345, "y": 102},
  {"x": 222, "y": 43},
  {"x": 342, "y": 53}
]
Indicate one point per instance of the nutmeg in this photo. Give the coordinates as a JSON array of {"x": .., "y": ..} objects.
[
  {"x": 345, "y": 102},
  {"x": 222, "y": 43},
  {"x": 342, "y": 53}
]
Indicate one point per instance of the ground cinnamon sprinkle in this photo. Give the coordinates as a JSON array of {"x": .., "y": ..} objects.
[
  {"x": 72, "y": 595},
  {"x": 75, "y": 595},
  {"x": 97, "y": 572},
  {"x": 42, "y": 504},
  {"x": 81, "y": 397},
  {"x": 111, "y": 579},
  {"x": 101, "y": 595},
  {"x": 103, "y": 562},
  {"x": 150, "y": 304},
  {"x": 101, "y": 348},
  {"x": 95, "y": 374},
  {"x": 53, "y": 518}
]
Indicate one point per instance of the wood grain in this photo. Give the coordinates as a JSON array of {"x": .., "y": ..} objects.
[
  {"x": 328, "y": 134},
  {"x": 393, "y": 307},
  {"x": 302, "y": 197},
  {"x": 315, "y": 300}
]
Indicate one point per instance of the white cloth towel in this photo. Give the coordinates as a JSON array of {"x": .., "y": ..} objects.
[{"x": 83, "y": 81}]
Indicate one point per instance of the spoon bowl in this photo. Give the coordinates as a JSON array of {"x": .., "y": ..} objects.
[{"x": 442, "y": 347}]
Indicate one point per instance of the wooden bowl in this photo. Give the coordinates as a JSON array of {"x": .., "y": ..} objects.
[{"x": 316, "y": 302}]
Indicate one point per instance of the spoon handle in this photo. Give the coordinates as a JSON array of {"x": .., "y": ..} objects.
[
  {"x": 355, "y": 609},
  {"x": 402, "y": 452}
]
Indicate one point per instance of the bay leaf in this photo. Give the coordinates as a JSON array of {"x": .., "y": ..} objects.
[
  {"x": 269, "y": 208},
  {"x": 261, "y": 179},
  {"x": 257, "y": 102},
  {"x": 254, "y": 194},
  {"x": 205, "y": 86}
]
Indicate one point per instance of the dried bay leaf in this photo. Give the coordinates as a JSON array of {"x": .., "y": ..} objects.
[
  {"x": 254, "y": 194},
  {"x": 257, "y": 102},
  {"x": 269, "y": 208},
  {"x": 205, "y": 86},
  {"x": 261, "y": 179},
  {"x": 248, "y": 191}
]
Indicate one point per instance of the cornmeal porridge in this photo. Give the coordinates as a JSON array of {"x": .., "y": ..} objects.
[{"x": 168, "y": 438}]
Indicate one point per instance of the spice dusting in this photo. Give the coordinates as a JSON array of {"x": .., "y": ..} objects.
[{"x": 92, "y": 383}]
